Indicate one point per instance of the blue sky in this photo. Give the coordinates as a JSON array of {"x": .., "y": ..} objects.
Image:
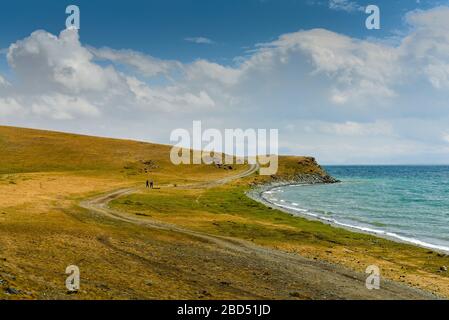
[
  {"x": 311, "y": 69},
  {"x": 160, "y": 27}
]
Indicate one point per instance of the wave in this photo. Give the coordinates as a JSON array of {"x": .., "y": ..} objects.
[{"x": 385, "y": 234}]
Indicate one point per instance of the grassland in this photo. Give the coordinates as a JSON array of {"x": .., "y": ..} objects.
[{"x": 44, "y": 175}]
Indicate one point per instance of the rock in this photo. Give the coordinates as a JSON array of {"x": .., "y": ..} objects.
[
  {"x": 443, "y": 268},
  {"x": 148, "y": 283},
  {"x": 10, "y": 290},
  {"x": 102, "y": 286},
  {"x": 295, "y": 294},
  {"x": 150, "y": 164},
  {"x": 205, "y": 293},
  {"x": 10, "y": 276},
  {"x": 71, "y": 292}
]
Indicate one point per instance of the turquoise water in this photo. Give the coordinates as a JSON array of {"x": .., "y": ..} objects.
[{"x": 409, "y": 203}]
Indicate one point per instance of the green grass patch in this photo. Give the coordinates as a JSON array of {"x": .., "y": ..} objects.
[{"x": 227, "y": 211}]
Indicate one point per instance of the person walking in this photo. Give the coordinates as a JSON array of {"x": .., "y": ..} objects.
[
  {"x": 151, "y": 184},
  {"x": 148, "y": 184}
]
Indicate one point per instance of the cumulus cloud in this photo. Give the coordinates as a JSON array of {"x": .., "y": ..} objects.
[
  {"x": 45, "y": 62},
  {"x": 361, "y": 69},
  {"x": 10, "y": 106},
  {"x": 204, "y": 71},
  {"x": 59, "y": 78},
  {"x": 61, "y": 107},
  {"x": 145, "y": 64},
  {"x": 428, "y": 45},
  {"x": 169, "y": 99}
]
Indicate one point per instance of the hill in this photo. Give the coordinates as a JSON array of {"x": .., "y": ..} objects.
[{"x": 183, "y": 240}]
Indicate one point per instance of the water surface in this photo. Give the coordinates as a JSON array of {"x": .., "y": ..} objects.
[{"x": 409, "y": 203}]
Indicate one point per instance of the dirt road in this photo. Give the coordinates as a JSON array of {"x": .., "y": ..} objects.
[{"x": 285, "y": 275}]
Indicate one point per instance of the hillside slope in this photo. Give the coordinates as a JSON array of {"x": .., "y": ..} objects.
[{"x": 44, "y": 176}]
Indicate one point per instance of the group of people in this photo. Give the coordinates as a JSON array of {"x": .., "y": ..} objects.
[{"x": 150, "y": 184}]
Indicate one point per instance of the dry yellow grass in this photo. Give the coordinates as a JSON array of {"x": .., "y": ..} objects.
[{"x": 43, "y": 175}]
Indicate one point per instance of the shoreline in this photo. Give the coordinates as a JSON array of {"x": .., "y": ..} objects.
[{"x": 257, "y": 194}]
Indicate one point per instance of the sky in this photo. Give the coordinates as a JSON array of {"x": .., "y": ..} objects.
[{"x": 311, "y": 69}]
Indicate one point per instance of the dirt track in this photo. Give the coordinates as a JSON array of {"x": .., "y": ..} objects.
[{"x": 283, "y": 272}]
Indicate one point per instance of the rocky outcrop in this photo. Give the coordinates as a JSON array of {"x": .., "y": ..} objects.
[
  {"x": 302, "y": 171},
  {"x": 303, "y": 178},
  {"x": 313, "y": 179}
]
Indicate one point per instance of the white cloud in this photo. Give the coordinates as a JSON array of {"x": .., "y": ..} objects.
[
  {"x": 46, "y": 62},
  {"x": 199, "y": 40},
  {"x": 60, "y": 79},
  {"x": 145, "y": 64},
  {"x": 350, "y": 128},
  {"x": 345, "y": 5},
  {"x": 361, "y": 69},
  {"x": 428, "y": 45},
  {"x": 9, "y": 107},
  {"x": 3, "y": 82},
  {"x": 446, "y": 137},
  {"x": 204, "y": 71},
  {"x": 169, "y": 99},
  {"x": 61, "y": 107}
]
